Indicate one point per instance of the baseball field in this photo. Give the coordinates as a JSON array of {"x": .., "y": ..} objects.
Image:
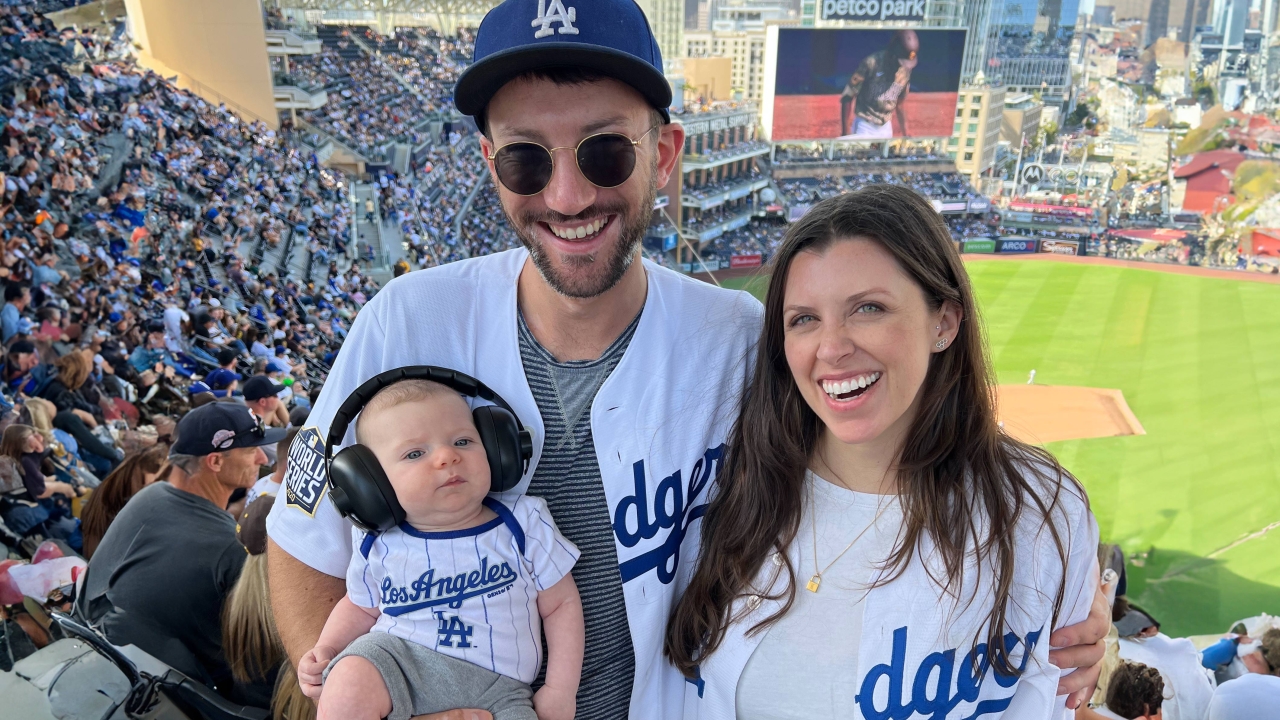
[{"x": 1195, "y": 501}]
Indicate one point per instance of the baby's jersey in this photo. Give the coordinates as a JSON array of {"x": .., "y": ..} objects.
[{"x": 471, "y": 594}]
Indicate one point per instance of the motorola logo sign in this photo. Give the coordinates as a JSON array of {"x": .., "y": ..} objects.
[{"x": 1032, "y": 174}]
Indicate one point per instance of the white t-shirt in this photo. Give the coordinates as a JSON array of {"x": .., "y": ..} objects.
[
  {"x": 1188, "y": 686},
  {"x": 802, "y": 667},
  {"x": 921, "y": 652},
  {"x": 1248, "y": 697},
  {"x": 265, "y": 486},
  {"x": 471, "y": 594}
]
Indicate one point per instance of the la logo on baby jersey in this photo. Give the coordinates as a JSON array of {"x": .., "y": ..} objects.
[
  {"x": 453, "y": 629},
  {"x": 940, "y": 683},
  {"x": 671, "y": 509},
  {"x": 448, "y": 590}
]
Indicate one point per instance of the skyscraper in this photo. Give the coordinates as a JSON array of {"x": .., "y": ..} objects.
[
  {"x": 666, "y": 18},
  {"x": 1157, "y": 20}
]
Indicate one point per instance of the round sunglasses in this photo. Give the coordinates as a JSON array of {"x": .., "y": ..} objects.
[{"x": 606, "y": 160}]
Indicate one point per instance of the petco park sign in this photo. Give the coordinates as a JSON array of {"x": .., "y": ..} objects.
[{"x": 873, "y": 10}]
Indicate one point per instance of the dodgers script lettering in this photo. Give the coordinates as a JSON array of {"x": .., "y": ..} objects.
[{"x": 671, "y": 509}]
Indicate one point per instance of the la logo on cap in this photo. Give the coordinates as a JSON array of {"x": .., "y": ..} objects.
[{"x": 555, "y": 13}]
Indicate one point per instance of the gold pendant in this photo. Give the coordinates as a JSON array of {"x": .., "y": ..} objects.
[{"x": 814, "y": 582}]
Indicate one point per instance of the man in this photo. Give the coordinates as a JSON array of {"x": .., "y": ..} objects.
[
  {"x": 261, "y": 394},
  {"x": 19, "y": 362},
  {"x": 269, "y": 485},
  {"x": 16, "y": 299},
  {"x": 159, "y": 577},
  {"x": 224, "y": 379},
  {"x": 878, "y": 89},
  {"x": 44, "y": 272},
  {"x": 625, "y": 373}
]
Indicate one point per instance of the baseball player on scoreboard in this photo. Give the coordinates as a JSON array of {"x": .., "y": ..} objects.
[{"x": 627, "y": 374}]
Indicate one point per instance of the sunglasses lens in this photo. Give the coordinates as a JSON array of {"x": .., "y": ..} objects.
[
  {"x": 523, "y": 168},
  {"x": 607, "y": 160}
]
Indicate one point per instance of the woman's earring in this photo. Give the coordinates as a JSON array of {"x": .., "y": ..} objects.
[{"x": 941, "y": 343}]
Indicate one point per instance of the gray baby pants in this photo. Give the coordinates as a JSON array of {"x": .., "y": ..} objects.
[{"x": 422, "y": 681}]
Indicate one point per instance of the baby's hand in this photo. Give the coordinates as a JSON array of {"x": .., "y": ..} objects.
[
  {"x": 554, "y": 704},
  {"x": 311, "y": 669}
]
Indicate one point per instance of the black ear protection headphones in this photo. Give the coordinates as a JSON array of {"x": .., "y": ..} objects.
[{"x": 359, "y": 486}]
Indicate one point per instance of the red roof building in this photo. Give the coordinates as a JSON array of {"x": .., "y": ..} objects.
[
  {"x": 1208, "y": 177},
  {"x": 1265, "y": 241}
]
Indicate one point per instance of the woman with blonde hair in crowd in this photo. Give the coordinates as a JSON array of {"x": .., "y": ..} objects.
[
  {"x": 124, "y": 482},
  {"x": 259, "y": 666}
]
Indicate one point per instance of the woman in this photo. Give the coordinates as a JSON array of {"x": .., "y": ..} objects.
[
  {"x": 44, "y": 502},
  {"x": 263, "y": 676},
  {"x": 876, "y": 541},
  {"x": 78, "y": 410},
  {"x": 123, "y": 483}
]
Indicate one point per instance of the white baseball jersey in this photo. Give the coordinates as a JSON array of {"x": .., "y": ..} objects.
[
  {"x": 659, "y": 424},
  {"x": 923, "y": 653},
  {"x": 471, "y": 593}
]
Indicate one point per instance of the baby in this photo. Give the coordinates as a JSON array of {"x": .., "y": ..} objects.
[{"x": 464, "y": 576}]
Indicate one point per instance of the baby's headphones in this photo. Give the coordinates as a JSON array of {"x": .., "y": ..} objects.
[{"x": 357, "y": 483}]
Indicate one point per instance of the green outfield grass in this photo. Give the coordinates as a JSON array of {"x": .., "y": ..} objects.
[{"x": 1198, "y": 360}]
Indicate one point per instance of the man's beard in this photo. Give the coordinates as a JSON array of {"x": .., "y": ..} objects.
[{"x": 608, "y": 270}]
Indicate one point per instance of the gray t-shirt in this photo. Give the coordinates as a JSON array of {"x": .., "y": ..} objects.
[
  {"x": 568, "y": 479},
  {"x": 159, "y": 577}
]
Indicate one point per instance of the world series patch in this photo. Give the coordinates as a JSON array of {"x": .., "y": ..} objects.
[{"x": 304, "y": 480}]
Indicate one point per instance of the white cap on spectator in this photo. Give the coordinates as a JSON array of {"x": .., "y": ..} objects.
[{"x": 1249, "y": 697}]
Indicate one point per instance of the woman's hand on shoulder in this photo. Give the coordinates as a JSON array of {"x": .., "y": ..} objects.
[{"x": 1079, "y": 649}]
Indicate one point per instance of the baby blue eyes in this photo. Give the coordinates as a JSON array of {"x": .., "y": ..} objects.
[{"x": 413, "y": 454}]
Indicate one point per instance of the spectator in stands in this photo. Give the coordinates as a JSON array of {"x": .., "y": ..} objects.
[
  {"x": 109, "y": 498},
  {"x": 42, "y": 503},
  {"x": 16, "y": 299},
  {"x": 72, "y": 391},
  {"x": 249, "y": 639},
  {"x": 164, "y": 568},
  {"x": 1253, "y": 696},
  {"x": 224, "y": 381},
  {"x": 270, "y": 484},
  {"x": 261, "y": 394},
  {"x": 19, "y": 361},
  {"x": 1135, "y": 692}
]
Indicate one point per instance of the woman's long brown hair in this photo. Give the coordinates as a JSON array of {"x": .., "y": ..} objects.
[
  {"x": 962, "y": 482},
  {"x": 14, "y": 441},
  {"x": 110, "y": 497},
  {"x": 73, "y": 369}
]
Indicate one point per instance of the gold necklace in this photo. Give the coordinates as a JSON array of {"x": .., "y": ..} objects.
[{"x": 816, "y": 581}]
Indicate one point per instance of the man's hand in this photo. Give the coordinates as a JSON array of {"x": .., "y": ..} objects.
[
  {"x": 1080, "y": 647},
  {"x": 554, "y": 704},
  {"x": 311, "y": 669}
]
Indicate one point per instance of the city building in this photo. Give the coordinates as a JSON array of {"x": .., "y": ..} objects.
[
  {"x": 1034, "y": 48},
  {"x": 709, "y": 78},
  {"x": 666, "y": 19},
  {"x": 1021, "y": 119},
  {"x": 738, "y": 32},
  {"x": 1119, "y": 106},
  {"x": 745, "y": 49},
  {"x": 1144, "y": 149},
  {"x": 979, "y": 119},
  {"x": 1203, "y": 185}
]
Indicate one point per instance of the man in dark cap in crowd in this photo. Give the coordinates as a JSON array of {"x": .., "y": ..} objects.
[
  {"x": 261, "y": 394},
  {"x": 160, "y": 575}
]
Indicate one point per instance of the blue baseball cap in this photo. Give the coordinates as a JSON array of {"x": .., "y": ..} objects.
[{"x": 611, "y": 37}]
